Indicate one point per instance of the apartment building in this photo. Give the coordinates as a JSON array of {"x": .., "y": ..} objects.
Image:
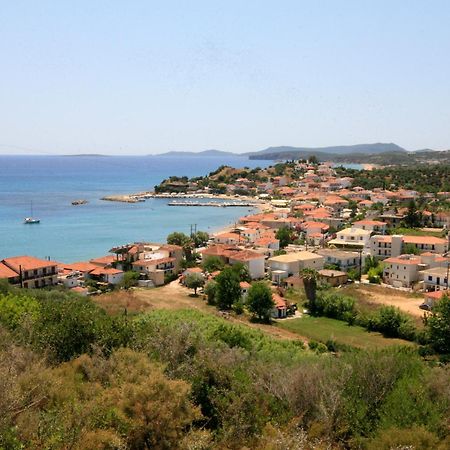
[{"x": 30, "y": 272}]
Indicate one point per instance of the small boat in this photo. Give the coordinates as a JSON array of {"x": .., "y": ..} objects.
[
  {"x": 31, "y": 220},
  {"x": 79, "y": 202}
]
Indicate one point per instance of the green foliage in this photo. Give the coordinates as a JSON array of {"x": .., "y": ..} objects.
[
  {"x": 259, "y": 301},
  {"x": 334, "y": 305},
  {"x": 129, "y": 280},
  {"x": 210, "y": 291},
  {"x": 194, "y": 281},
  {"x": 228, "y": 290},
  {"x": 200, "y": 238},
  {"x": 438, "y": 326},
  {"x": 392, "y": 322},
  {"x": 242, "y": 272},
  {"x": 16, "y": 310},
  {"x": 212, "y": 264},
  {"x": 374, "y": 274},
  {"x": 353, "y": 274},
  {"x": 285, "y": 236}
]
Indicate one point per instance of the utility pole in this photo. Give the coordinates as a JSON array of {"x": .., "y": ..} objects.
[
  {"x": 20, "y": 276},
  {"x": 360, "y": 264}
]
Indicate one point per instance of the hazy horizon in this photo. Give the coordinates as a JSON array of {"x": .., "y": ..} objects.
[{"x": 143, "y": 78}]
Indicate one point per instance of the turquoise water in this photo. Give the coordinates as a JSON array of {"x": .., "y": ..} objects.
[{"x": 71, "y": 233}]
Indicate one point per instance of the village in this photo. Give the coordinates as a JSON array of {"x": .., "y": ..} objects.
[{"x": 311, "y": 219}]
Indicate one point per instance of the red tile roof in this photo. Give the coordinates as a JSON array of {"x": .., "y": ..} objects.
[
  {"x": 6, "y": 272},
  {"x": 27, "y": 263}
]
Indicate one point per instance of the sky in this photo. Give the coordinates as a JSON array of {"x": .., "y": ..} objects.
[{"x": 140, "y": 77}]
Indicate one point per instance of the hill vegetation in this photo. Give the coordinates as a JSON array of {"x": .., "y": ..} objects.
[{"x": 74, "y": 377}]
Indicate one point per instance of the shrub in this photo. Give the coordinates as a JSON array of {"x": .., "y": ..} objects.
[
  {"x": 392, "y": 322},
  {"x": 335, "y": 305}
]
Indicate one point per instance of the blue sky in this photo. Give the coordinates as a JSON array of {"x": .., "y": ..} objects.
[{"x": 137, "y": 77}]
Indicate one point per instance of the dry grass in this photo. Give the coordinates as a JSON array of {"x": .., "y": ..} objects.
[{"x": 370, "y": 297}]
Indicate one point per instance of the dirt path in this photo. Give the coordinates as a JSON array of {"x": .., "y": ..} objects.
[{"x": 405, "y": 301}]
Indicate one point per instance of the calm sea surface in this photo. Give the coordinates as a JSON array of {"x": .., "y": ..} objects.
[{"x": 71, "y": 233}]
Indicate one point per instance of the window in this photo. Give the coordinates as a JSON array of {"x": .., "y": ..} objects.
[{"x": 430, "y": 278}]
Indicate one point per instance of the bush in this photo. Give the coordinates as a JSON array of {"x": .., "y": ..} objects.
[
  {"x": 334, "y": 305},
  {"x": 392, "y": 322}
]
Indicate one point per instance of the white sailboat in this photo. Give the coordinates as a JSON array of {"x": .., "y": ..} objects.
[{"x": 31, "y": 219}]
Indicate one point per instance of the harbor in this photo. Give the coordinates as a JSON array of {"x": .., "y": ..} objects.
[{"x": 214, "y": 204}]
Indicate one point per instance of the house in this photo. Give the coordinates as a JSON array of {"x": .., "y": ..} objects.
[
  {"x": 436, "y": 279},
  {"x": 283, "y": 266},
  {"x": 228, "y": 238},
  {"x": 244, "y": 288},
  {"x": 8, "y": 274},
  {"x": 108, "y": 275},
  {"x": 431, "y": 298},
  {"x": 351, "y": 237},
  {"x": 279, "y": 310},
  {"x": 254, "y": 261},
  {"x": 333, "y": 277},
  {"x": 402, "y": 271},
  {"x": 30, "y": 272},
  {"x": 374, "y": 226},
  {"x": 233, "y": 255},
  {"x": 345, "y": 260},
  {"x": 386, "y": 246},
  {"x": 157, "y": 261},
  {"x": 293, "y": 282}
]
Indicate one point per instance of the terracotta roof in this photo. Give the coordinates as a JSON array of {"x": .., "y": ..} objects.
[
  {"x": 103, "y": 261},
  {"x": 423, "y": 240},
  {"x": 370, "y": 222},
  {"x": 82, "y": 266},
  {"x": 152, "y": 262},
  {"x": 105, "y": 271},
  {"x": 6, "y": 272},
  {"x": 244, "y": 285},
  {"x": 406, "y": 260},
  {"x": 246, "y": 255},
  {"x": 27, "y": 263},
  {"x": 437, "y": 295},
  {"x": 280, "y": 302}
]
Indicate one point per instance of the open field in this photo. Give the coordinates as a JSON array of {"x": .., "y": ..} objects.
[
  {"x": 323, "y": 328},
  {"x": 175, "y": 296},
  {"x": 370, "y": 297}
]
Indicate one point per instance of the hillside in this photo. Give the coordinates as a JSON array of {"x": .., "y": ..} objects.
[{"x": 288, "y": 152}]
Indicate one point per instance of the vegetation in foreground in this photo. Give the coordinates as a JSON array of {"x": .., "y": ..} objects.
[{"x": 73, "y": 377}]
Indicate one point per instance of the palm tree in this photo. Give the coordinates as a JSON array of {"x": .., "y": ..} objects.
[{"x": 310, "y": 285}]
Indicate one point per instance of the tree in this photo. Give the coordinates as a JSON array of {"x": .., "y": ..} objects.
[
  {"x": 413, "y": 217},
  {"x": 182, "y": 240},
  {"x": 212, "y": 264},
  {"x": 312, "y": 159},
  {"x": 129, "y": 279},
  {"x": 228, "y": 289},
  {"x": 438, "y": 326},
  {"x": 210, "y": 291},
  {"x": 259, "y": 300},
  {"x": 310, "y": 285},
  {"x": 194, "y": 281},
  {"x": 411, "y": 249},
  {"x": 200, "y": 238},
  {"x": 242, "y": 272},
  {"x": 284, "y": 235}
]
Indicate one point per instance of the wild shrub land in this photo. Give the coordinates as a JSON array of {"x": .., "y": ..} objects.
[{"x": 73, "y": 376}]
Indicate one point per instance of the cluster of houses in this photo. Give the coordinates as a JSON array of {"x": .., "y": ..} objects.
[{"x": 313, "y": 207}]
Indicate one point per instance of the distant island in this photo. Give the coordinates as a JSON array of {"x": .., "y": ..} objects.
[
  {"x": 376, "y": 153},
  {"x": 88, "y": 155},
  {"x": 204, "y": 153}
]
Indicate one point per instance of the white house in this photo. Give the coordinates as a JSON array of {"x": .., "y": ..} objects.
[
  {"x": 283, "y": 266},
  {"x": 351, "y": 237},
  {"x": 344, "y": 259},
  {"x": 374, "y": 226},
  {"x": 253, "y": 260}
]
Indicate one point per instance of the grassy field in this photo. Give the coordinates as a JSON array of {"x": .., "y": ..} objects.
[{"x": 322, "y": 328}]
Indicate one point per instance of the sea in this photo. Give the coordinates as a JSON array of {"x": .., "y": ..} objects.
[{"x": 67, "y": 233}]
